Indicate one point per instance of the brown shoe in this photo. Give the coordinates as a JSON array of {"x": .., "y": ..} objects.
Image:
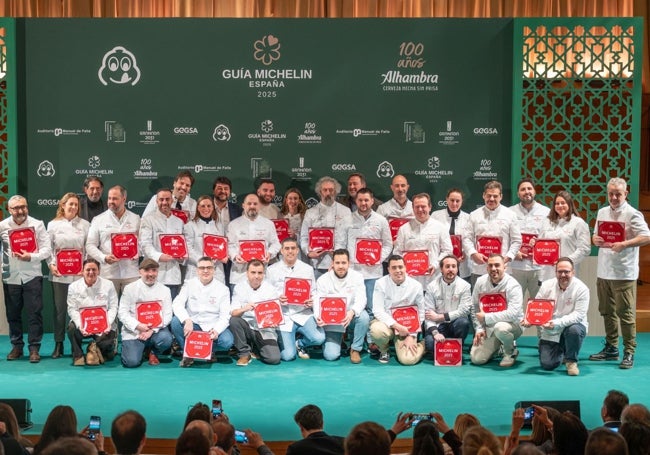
[
  {"x": 34, "y": 357},
  {"x": 153, "y": 359},
  {"x": 15, "y": 354},
  {"x": 355, "y": 356},
  {"x": 94, "y": 354},
  {"x": 79, "y": 362},
  {"x": 186, "y": 362},
  {"x": 243, "y": 361}
]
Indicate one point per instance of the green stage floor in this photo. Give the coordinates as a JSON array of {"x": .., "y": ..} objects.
[{"x": 264, "y": 397}]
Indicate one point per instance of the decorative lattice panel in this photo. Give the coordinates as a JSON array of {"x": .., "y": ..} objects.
[
  {"x": 4, "y": 150},
  {"x": 580, "y": 98}
]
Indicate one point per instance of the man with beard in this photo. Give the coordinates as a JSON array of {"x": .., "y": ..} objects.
[
  {"x": 116, "y": 220},
  {"x": 22, "y": 276},
  {"x": 266, "y": 191},
  {"x": 326, "y": 214},
  {"x": 250, "y": 226},
  {"x": 226, "y": 211},
  {"x": 356, "y": 181},
  {"x": 152, "y": 227},
  {"x": 91, "y": 203},
  {"x": 181, "y": 200},
  {"x": 562, "y": 336}
]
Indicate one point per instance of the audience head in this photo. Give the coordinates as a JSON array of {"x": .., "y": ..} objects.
[
  {"x": 71, "y": 445},
  {"x": 200, "y": 411},
  {"x": 637, "y": 436},
  {"x": 225, "y": 433},
  {"x": 367, "y": 438},
  {"x": 206, "y": 429},
  {"x": 128, "y": 432},
  {"x": 636, "y": 412},
  {"x": 309, "y": 418},
  {"x": 569, "y": 434},
  {"x": 426, "y": 439},
  {"x": 527, "y": 449},
  {"x": 479, "y": 440},
  {"x": 61, "y": 422},
  {"x": 8, "y": 416},
  {"x": 603, "y": 441},
  {"x": 464, "y": 422},
  {"x": 192, "y": 442},
  {"x": 613, "y": 405}
]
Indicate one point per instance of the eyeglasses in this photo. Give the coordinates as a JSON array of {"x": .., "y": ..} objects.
[
  {"x": 206, "y": 267},
  {"x": 563, "y": 272},
  {"x": 18, "y": 208}
]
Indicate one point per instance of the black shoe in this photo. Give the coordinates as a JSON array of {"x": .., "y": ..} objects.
[
  {"x": 58, "y": 350},
  {"x": 609, "y": 352},
  {"x": 627, "y": 362}
]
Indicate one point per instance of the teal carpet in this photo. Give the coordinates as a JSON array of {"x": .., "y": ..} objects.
[{"x": 264, "y": 397}]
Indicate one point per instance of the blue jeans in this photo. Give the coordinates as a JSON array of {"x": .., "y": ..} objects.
[
  {"x": 458, "y": 328},
  {"x": 551, "y": 353},
  {"x": 312, "y": 335},
  {"x": 370, "y": 289},
  {"x": 132, "y": 349},
  {"x": 222, "y": 343},
  {"x": 358, "y": 326}
]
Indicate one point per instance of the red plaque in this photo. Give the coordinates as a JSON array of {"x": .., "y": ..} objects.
[
  {"x": 23, "y": 240},
  {"x": 526, "y": 246},
  {"x": 368, "y": 251},
  {"x": 282, "y": 228},
  {"x": 252, "y": 249},
  {"x": 448, "y": 353},
  {"x": 94, "y": 320},
  {"x": 69, "y": 262},
  {"x": 198, "y": 345},
  {"x": 268, "y": 314},
  {"x": 149, "y": 313},
  {"x": 493, "y": 303},
  {"x": 173, "y": 245},
  {"x": 539, "y": 311},
  {"x": 297, "y": 290},
  {"x": 182, "y": 214},
  {"x": 333, "y": 310},
  {"x": 546, "y": 251},
  {"x": 611, "y": 231},
  {"x": 215, "y": 246},
  {"x": 321, "y": 239},
  {"x": 486, "y": 245},
  {"x": 394, "y": 224},
  {"x": 124, "y": 245},
  {"x": 457, "y": 245},
  {"x": 409, "y": 317},
  {"x": 416, "y": 262}
]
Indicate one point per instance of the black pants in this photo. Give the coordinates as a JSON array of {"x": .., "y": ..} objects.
[
  {"x": 244, "y": 336},
  {"x": 29, "y": 296},
  {"x": 106, "y": 343}
]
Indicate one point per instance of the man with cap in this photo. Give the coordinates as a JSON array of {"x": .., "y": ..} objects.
[{"x": 145, "y": 311}]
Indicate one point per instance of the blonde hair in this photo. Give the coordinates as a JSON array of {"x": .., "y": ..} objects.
[
  {"x": 479, "y": 440},
  {"x": 464, "y": 422},
  {"x": 63, "y": 201}
]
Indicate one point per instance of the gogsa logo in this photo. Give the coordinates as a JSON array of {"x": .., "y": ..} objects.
[
  {"x": 485, "y": 132},
  {"x": 344, "y": 167},
  {"x": 119, "y": 67}
]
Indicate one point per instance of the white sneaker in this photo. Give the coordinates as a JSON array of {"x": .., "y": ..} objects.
[
  {"x": 572, "y": 368},
  {"x": 507, "y": 361}
]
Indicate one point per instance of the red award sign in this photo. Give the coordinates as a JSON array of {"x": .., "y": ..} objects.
[
  {"x": 268, "y": 314},
  {"x": 394, "y": 224},
  {"x": 486, "y": 245},
  {"x": 198, "y": 345},
  {"x": 416, "y": 262},
  {"x": 611, "y": 231},
  {"x": 321, "y": 239},
  {"x": 448, "y": 353},
  {"x": 527, "y": 243},
  {"x": 124, "y": 245},
  {"x": 297, "y": 290},
  {"x": 68, "y": 262},
  {"x": 182, "y": 214},
  {"x": 493, "y": 303},
  {"x": 457, "y": 245},
  {"x": 215, "y": 246},
  {"x": 282, "y": 228},
  {"x": 23, "y": 240},
  {"x": 173, "y": 245},
  {"x": 252, "y": 249},
  {"x": 409, "y": 317},
  {"x": 333, "y": 310},
  {"x": 94, "y": 319},
  {"x": 368, "y": 251},
  {"x": 539, "y": 311},
  {"x": 149, "y": 313},
  {"x": 546, "y": 251}
]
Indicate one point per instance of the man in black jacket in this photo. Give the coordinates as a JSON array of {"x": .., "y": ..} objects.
[{"x": 315, "y": 441}]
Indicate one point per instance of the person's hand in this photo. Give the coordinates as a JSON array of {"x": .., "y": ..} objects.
[
  {"x": 3, "y": 428},
  {"x": 254, "y": 439},
  {"x": 439, "y": 337},
  {"x": 542, "y": 414},
  {"x": 440, "y": 423},
  {"x": 402, "y": 422},
  {"x": 348, "y": 318},
  {"x": 524, "y": 323},
  {"x": 410, "y": 344},
  {"x": 165, "y": 258},
  {"x": 478, "y": 338},
  {"x": 188, "y": 326},
  {"x": 479, "y": 258},
  {"x": 401, "y": 330},
  {"x": 517, "y": 419}
]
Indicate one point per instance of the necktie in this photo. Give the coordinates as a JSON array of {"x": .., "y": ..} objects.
[{"x": 178, "y": 205}]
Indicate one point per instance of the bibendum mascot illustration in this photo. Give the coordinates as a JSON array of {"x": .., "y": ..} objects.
[
  {"x": 119, "y": 67},
  {"x": 385, "y": 169}
]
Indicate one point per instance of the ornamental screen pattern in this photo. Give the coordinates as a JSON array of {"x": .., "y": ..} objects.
[
  {"x": 579, "y": 108},
  {"x": 4, "y": 149}
]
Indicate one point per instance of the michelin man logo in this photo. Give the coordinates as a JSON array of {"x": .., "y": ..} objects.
[
  {"x": 385, "y": 170},
  {"x": 45, "y": 169},
  {"x": 221, "y": 133},
  {"x": 119, "y": 67}
]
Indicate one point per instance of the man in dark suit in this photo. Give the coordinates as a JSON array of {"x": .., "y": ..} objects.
[
  {"x": 315, "y": 441},
  {"x": 227, "y": 211},
  {"x": 356, "y": 181}
]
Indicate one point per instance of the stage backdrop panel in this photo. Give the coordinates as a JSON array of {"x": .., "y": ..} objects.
[{"x": 135, "y": 101}]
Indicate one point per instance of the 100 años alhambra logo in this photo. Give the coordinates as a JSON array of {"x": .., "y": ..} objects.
[{"x": 410, "y": 75}]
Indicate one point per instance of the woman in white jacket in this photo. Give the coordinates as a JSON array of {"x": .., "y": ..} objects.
[{"x": 206, "y": 221}]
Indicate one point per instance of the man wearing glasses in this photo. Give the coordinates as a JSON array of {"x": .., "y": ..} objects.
[{"x": 25, "y": 244}]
